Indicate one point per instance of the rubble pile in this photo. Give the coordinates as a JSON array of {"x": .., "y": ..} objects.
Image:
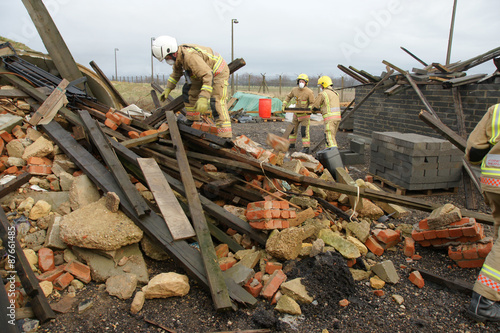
[{"x": 83, "y": 235}]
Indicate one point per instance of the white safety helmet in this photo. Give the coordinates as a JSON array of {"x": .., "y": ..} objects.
[{"x": 163, "y": 46}]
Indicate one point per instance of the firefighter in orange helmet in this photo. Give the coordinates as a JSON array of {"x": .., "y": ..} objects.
[{"x": 208, "y": 73}]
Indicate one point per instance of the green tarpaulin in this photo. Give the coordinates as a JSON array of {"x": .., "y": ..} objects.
[{"x": 250, "y": 102}]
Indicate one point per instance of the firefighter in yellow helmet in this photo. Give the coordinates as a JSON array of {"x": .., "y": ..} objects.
[
  {"x": 303, "y": 99},
  {"x": 208, "y": 73},
  {"x": 329, "y": 103},
  {"x": 483, "y": 148}
]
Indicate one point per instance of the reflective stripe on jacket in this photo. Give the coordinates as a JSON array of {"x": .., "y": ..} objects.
[{"x": 201, "y": 62}]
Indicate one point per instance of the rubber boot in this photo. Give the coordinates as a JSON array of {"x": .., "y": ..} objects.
[
  {"x": 305, "y": 150},
  {"x": 483, "y": 309},
  {"x": 292, "y": 146}
]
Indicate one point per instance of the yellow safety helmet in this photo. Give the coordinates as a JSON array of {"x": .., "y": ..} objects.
[
  {"x": 303, "y": 77},
  {"x": 325, "y": 81}
]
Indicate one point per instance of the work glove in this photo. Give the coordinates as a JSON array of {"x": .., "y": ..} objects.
[
  {"x": 283, "y": 107},
  {"x": 164, "y": 95},
  {"x": 201, "y": 106}
]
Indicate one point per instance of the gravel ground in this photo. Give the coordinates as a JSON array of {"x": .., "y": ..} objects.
[{"x": 431, "y": 309}]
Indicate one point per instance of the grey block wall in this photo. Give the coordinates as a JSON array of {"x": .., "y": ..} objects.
[
  {"x": 399, "y": 112},
  {"x": 415, "y": 162}
]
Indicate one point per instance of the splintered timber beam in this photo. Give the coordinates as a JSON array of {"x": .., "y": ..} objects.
[
  {"x": 152, "y": 224},
  {"x": 108, "y": 84},
  {"x": 51, "y": 105},
  {"x": 414, "y": 56},
  {"x": 216, "y": 282},
  {"x": 114, "y": 164},
  {"x": 352, "y": 74}
]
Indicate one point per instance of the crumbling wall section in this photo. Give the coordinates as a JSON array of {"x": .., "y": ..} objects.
[{"x": 399, "y": 112}]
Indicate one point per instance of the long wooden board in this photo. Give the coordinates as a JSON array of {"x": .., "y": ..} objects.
[
  {"x": 177, "y": 221},
  {"x": 216, "y": 283}
]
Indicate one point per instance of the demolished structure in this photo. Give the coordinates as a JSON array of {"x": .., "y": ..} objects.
[{"x": 229, "y": 212}]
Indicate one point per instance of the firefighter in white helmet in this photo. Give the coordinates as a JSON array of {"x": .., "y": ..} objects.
[
  {"x": 208, "y": 73},
  {"x": 304, "y": 97},
  {"x": 329, "y": 103}
]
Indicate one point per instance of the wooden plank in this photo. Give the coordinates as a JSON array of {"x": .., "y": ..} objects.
[
  {"x": 441, "y": 68},
  {"x": 458, "y": 285},
  {"x": 414, "y": 56},
  {"x": 51, "y": 105},
  {"x": 153, "y": 225},
  {"x": 470, "y": 194},
  {"x": 53, "y": 41},
  {"x": 155, "y": 99},
  {"x": 218, "y": 288},
  {"x": 8, "y": 318},
  {"x": 107, "y": 82},
  {"x": 172, "y": 212},
  {"x": 143, "y": 140},
  {"x": 365, "y": 74},
  {"x": 352, "y": 74},
  {"x": 121, "y": 176},
  {"x": 444, "y": 130},
  {"x": 14, "y": 184},
  {"x": 39, "y": 302}
]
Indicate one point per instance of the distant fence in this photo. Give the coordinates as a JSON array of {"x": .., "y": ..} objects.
[{"x": 276, "y": 86}]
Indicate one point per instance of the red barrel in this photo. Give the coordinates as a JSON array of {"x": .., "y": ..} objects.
[{"x": 265, "y": 107}]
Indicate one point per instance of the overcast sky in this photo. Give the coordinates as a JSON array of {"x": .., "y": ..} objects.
[{"x": 274, "y": 37}]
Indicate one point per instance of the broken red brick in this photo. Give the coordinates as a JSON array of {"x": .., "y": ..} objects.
[
  {"x": 111, "y": 124},
  {"x": 134, "y": 135},
  {"x": 148, "y": 132},
  {"x": 6, "y": 136},
  {"x": 409, "y": 247},
  {"x": 273, "y": 266},
  {"x": 417, "y": 279},
  {"x": 63, "y": 281},
  {"x": 222, "y": 250},
  {"x": 52, "y": 275},
  {"x": 46, "y": 259},
  {"x": 254, "y": 287},
  {"x": 78, "y": 270},
  {"x": 209, "y": 168},
  {"x": 226, "y": 262},
  {"x": 470, "y": 263},
  {"x": 484, "y": 249},
  {"x": 272, "y": 285},
  {"x": 343, "y": 303},
  {"x": 372, "y": 245},
  {"x": 114, "y": 118}
]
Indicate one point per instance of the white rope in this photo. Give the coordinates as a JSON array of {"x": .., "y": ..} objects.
[{"x": 355, "y": 203}]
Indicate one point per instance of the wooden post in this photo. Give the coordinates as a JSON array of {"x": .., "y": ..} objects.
[{"x": 53, "y": 41}]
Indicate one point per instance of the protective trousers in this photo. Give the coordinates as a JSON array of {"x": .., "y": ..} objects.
[
  {"x": 331, "y": 127},
  {"x": 488, "y": 281},
  {"x": 217, "y": 102},
  {"x": 303, "y": 121}
]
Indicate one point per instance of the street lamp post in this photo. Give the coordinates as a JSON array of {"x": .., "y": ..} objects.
[
  {"x": 233, "y": 21},
  {"x": 116, "y": 67},
  {"x": 152, "y": 73}
]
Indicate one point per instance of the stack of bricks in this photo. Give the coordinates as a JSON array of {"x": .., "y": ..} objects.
[
  {"x": 269, "y": 215},
  {"x": 115, "y": 119},
  {"x": 465, "y": 240},
  {"x": 40, "y": 166},
  {"x": 205, "y": 127},
  {"x": 382, "y": 239},
  {"x": 415, "y": 162},
  {"x": 247, "y": 146}
]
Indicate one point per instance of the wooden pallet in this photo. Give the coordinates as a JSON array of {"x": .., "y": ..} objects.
[
  {"x": 397, "y": 189},
  {"x": 272, "y": 119}
]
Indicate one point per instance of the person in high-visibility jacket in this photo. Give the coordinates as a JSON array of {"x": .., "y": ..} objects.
[
  {"x": 482, "y": 148},
  {"x": 328, "y": 102},
  {"x": 208, "y": 73},
  {"x": 303, "y": 98}
]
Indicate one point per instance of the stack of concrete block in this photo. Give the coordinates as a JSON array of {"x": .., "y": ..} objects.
[
  {"x": 354, "y": 155},
  {"x": 415, "y": 162}
]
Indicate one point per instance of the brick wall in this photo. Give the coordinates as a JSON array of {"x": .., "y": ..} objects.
[{"x": 399, "y": 112}]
